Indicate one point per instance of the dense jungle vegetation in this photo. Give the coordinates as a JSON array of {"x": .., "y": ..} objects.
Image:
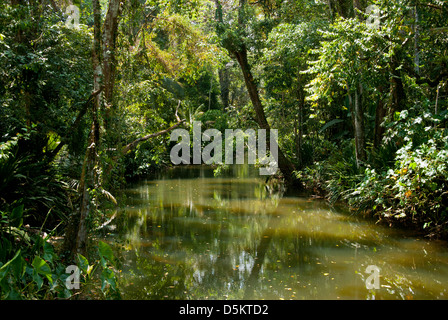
[{"x": 357, "y": 90}]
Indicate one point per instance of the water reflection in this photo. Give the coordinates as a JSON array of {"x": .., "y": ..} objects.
[{"x": 190, "y": 235}]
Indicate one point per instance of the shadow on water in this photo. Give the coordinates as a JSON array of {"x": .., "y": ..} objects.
[{"x": 188, "y": 234}]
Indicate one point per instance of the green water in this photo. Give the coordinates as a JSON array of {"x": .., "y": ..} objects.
[{"x": 190, "y": 235}]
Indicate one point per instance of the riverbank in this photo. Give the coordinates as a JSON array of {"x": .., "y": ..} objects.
[{"x": 377, "y": 198}]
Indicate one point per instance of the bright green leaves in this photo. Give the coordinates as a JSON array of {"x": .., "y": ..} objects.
[
  {"x": 350, "y": 53},
  {"x": 44, "y": 276},
  {"x": 17, "y": 272},
  {"x": 41, "y": 268},
  {"x": 179, "y": 49},
  {"x": 171, "y": 66},
  {"x": 414, "y": 187},
  {"x": 83, "y": 263},
  {"x": 108, "y": 277},
  {"x": 30, "y": 268},
  {"x": 107, "y": 260},
  {"x": 49, "y": 67},
  {"x": 86, "y": 268},
  {"x": 105, "y": 252}
]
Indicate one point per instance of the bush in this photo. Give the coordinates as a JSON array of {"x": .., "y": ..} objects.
[
  {"x": 215, "y": 119},
  {"x": 33, "y": 203},
  {"x": 414, "y": 189},
  {"x": 333, "y": 175},
  {"x": 30, "y": 268},
  {"x": 27, "y": 179}
]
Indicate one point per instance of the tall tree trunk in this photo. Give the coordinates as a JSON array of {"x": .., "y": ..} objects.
[
  {"x": 342, "y": 7},
  {"x": 26, "y": 76},
  {"x": 299, "y": 117},
  {"x": 285, "y": 166},
  {"x": 357, "y": 112},
  {"x": 238, "y": 49},
  {"x": 416, "y": 40},
  {"x": 397, "y": 93},
  {"x": 88, "y": 179},
  {"x": 380, "y": 113},
  {"x": 88, "y": 176},
  {"x": 358, "y": 6},
  {"x": 331, "y": 10},
  {"x": 109, "y": 36},
  {"x": 77, "y": 232}
]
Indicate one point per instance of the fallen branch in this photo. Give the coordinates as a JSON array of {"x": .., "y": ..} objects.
[{"x": 134, "y": 143}]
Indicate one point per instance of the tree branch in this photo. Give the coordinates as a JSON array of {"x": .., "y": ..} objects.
[
  {"x": 55, "y": 7},
  {"x": 443, "y": 73},
  {"x": 75, "y": 124},
  {"x": 134, "y": 143}
]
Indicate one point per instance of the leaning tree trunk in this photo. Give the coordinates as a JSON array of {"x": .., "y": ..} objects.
[
  {"x": 357, "y": 114},
  {"x": 416, "y": 40},
  {"x": 238, "y": 49},
  {"x": 285, "y": 166}
]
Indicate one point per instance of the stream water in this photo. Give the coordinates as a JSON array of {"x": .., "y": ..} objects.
[{"x": 187, "y": 234}]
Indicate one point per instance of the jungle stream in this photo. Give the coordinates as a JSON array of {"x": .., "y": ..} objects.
[{"x": 188, "y": 234}]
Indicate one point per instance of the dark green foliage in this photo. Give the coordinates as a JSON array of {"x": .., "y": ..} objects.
[
  {"x": 413, "y": 188},
  {"x": 46, "y": 73},
  {"x": 30, "y": 268},
  {"x": 402, "y": 178},
  {"x": 27, "y": 179}
]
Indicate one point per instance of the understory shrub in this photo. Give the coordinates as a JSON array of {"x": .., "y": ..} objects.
[{"x": 414, "y": 190}]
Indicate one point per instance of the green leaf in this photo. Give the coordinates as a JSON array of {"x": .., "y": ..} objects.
[
  {"x": 16, "y": 216},
  {"x": 108, "y": 276},
  {"x": 41, "y": 267},
  {"x": 48, "y": 252},
  {"x": 18, "y": 267},
  {"x": 330, "y": 123},
  {"x": 13, "y": 295},
  {"x": 83, "y": 263},
  {"x": 39, "y": 281},
  {"x": 5, "y": 267},
  {"x": 105, "y": 251}
]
